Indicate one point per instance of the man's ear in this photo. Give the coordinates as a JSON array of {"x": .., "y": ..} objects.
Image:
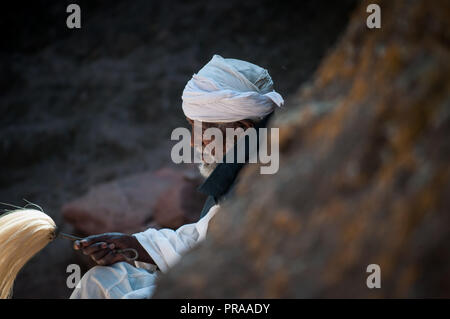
[{"x": 245, "y": 124}]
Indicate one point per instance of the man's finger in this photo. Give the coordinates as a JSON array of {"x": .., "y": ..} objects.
[
  {"x": 94, "y": 248},
  {"x": 93, "y": 239},
  {"x": 108, "y": 259},
  {"x": 100, "y": 254}
]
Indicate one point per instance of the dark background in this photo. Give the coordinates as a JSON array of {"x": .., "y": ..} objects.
[{"x": 85, "y": 106}]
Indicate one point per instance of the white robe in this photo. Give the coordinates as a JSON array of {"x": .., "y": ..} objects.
[{"x": 122, "y": 280}]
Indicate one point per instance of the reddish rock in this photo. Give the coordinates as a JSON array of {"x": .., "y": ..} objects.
[
  {"x": 180, "y": 204},
  {"x": 132, "y": 204}
]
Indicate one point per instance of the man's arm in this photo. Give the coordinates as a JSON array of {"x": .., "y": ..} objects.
[
  {"x": 162, "y": 248},
  {"x": 166, "y": 246}
]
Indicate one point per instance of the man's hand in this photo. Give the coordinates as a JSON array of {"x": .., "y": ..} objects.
[{"x": 101, "y": 248}]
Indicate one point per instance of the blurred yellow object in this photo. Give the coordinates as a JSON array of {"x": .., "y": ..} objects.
[{"x": 23, "y": 233}]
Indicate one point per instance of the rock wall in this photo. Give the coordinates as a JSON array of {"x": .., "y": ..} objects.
[{"x": 363, "y": 179}]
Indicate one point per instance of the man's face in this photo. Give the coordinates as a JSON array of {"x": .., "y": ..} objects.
[{"x": 208, "y": 156}]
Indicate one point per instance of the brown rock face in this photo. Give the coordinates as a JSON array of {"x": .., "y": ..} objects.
[
  {"x": 154, "y": 199},
  {"x": 364, "y": 177}
]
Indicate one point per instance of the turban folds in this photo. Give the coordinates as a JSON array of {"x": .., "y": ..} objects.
[{"x": 229, "y": 90}]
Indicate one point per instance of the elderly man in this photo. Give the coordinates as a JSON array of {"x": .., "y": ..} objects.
[{"x": 225, "y": 93}]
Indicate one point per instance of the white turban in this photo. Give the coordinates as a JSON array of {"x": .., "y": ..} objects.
[{"x": 229, "y": 90}]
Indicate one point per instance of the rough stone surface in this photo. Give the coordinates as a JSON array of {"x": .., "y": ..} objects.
[{"x": 364, "y": 177}]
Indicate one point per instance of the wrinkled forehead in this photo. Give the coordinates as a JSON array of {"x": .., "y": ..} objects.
[{"x": 206, "y": 125}]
